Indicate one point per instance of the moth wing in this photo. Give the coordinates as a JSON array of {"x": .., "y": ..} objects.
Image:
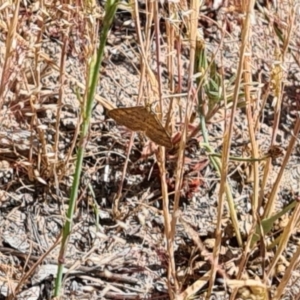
[
  {"x": 160, "y": 137},
  {"x": 132, "y": 117},
  {"x": 157, "y": 133}
]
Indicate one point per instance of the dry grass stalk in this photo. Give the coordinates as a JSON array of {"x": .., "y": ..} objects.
[
  {"x": 170, "y": 231},
  {"x": 228, "y": 138},
  {"x": 292, "y": 267},
  {"x": 277, "y": 83},
  {"x": 161, "y": 160}
]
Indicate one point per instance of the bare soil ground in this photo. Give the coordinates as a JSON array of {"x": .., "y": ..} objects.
[{"x": 125, "y": 257}]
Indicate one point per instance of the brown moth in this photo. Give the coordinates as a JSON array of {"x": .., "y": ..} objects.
[{"x": 139, "y": 118}]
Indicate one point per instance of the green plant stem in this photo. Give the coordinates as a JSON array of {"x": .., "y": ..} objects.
[
  {"x": 110, "y": 10},
  {"x": 218, "y": 166},
  {"x": 201, "y": 64},
  {"x": 268, "y": 224}
]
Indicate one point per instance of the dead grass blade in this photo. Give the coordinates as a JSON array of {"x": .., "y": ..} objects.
[
  {"x": 228, "y": 134},
  {"x": 10, "y": 51}
]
